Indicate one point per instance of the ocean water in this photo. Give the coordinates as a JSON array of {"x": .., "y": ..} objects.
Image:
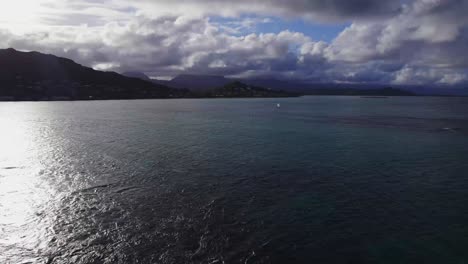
[{"x": 319, "y": 180}]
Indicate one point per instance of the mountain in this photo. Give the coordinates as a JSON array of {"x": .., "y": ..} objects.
[
  {"x": 138, "y": 75},
  {"x": 205, "y": 83},
  {"x": 37, "y": 76},
  {"x": 198, "y": 82},
  {"x": 238, "y": 89}
]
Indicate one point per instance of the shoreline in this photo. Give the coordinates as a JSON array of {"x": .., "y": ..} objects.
[{"x": 221, "y": 98}]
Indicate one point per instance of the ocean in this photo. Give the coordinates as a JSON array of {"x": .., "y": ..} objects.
[{"x": 318, "y": 180}]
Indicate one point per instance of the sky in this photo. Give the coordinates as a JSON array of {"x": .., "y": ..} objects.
[{"x": 406, "y": 42}]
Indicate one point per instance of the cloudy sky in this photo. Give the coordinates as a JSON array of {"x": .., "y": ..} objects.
[{"x": 417, "y": 42}]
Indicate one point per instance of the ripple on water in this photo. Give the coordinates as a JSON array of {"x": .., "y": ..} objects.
[{"x": 324, "y": 180}]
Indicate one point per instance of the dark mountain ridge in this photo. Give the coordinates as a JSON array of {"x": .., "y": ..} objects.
[{"x": 37, "y": 76}]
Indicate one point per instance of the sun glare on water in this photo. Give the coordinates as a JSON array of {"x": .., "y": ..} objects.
[{"x": 23, "y": 195}]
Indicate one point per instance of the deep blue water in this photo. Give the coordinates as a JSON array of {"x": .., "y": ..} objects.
[{"x": 319, "y": 180}]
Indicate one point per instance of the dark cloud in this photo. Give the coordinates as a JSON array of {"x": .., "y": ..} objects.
[{"x": 313, "y": 9}]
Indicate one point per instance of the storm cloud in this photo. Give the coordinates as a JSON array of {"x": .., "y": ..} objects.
[{"x": 311, "y": 9}]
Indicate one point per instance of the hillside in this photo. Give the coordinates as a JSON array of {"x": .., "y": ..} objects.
[{"x": 37, "y": 76}]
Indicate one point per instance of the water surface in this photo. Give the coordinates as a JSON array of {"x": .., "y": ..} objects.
[{"x": 319, "y": 180}]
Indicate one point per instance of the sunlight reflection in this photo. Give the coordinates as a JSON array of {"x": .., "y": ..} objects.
[{"x": 22, "y": 193}]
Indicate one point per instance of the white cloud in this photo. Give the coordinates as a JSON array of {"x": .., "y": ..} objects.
[{"x": 420, "y": 42}]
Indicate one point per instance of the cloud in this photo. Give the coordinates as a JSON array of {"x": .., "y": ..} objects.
[
  {"x": 166, "y": 45},
  {"x": 425, "y": 26},
  {"x": 330, "y": 10},
  {"x": 408, "y": 42},
  {"x": 425, "y": 75},
  {"x": 428, "y": 36}
]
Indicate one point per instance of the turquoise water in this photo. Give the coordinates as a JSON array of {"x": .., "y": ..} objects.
[{"x": 319, "y": 180}]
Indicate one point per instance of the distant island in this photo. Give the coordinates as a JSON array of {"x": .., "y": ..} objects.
[{"x": 33, "y": 76}]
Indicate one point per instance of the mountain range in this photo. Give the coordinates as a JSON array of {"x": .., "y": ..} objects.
[
  {"x": 207, "y": 82},
  {"x": 37, "y": 76},
  {"x": 203, "y": 84}
]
